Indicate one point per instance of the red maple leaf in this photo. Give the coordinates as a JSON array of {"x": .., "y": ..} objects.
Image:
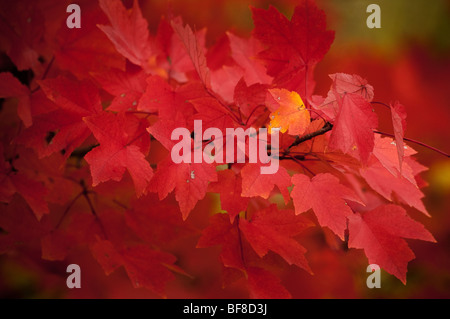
[
  {"x": 265, "y": 285},
  {"x": 21, "y": 39},
  {"x": 74, "y": 50},
  {"x": 195, "y": 51},
  {"x": 353, "y": 128},
  {"x": 256, "y": 184},
  {"x": 270, "y": 229},
  {"x": 172, "y": 105},
  {"x": 212, "y": 114},
  {"x": 61, "y": 116},
  {"x": 126, "y": 87},
  {"x": 128, "y": 31},
  {"x": 293, "y": 47},
  {"x": 380, "y": 233},
  {"x": 383, "y": 182},
  {"x": 19, "y": 225},
  {"x": 145, "y": 267},
  {"x": 11, "y": 87},
  {"x": 22, "y": 182},
  {"x": 162, "y": 217},
  {"x": 342, "y": 84},
  {"x": 119, "y": 149},
  {"x": 327, "y": 197},
  {"x": 225, "y": 233},
  {"x": 398, "y": 113},
  {"x": 229, "y": 186},
  {"x": 224, "y": 80},
  {"x": 244, "y": 52},
  {"x": 79, "y": 229},
  {"x": 189, "y": 180},
  {"x": 250, "y": 99},
  {"x": 386, "y": 151}
]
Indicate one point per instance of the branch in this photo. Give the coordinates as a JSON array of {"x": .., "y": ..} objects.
[{"x": 327, "y": 127}]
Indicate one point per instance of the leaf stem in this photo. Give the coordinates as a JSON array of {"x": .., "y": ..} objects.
[
  {"x": 253, "y": 111},
  {"x": 91, "y": 206},
  {"x": 72, "y": 202},
  {"x": 303, "y": 166},
  {"x": 226, "y": 106},
  {"x": 241, "y": 248},
  {"x": 381, "y": 103},
  {"x": 44, "y": 75}
]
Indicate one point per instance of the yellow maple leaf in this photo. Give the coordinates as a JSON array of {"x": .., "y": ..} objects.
[{"x": 291, "y": 116}]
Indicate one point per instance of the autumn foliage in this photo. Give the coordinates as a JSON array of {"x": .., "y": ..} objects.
[{"x": 86, "y": 170}]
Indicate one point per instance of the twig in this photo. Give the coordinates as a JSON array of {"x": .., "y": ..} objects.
[{"x": 327, "y": 127}]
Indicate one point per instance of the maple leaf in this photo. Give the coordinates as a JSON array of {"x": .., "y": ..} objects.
[
  {"x": 128, "y": 31},
  {"x": 212, "y": 114},
  {"x": 22, "y": 29},
  {"x": 384, "y": 183},
  {"x": 126, "y": 87},
  {"x": 173, "y": 107},
  {"x": 171, "y": 58},
  {"x": 327, "y": 197},
  {"x": 346, "y": 83},
  {"x": 19, "y": 225},
  {"x": 168, "y": 100},
  {"x": 225, "y": 233},
  {"x": 194, "y": 50},
  {"x": 161, "y": 217},
  {"x": 11, "y": 87},
  {"x": 61, "y": 114},
  {"x": 293, "y": 47},
  {"x": 386, "y": 151},
  {"x": 82, "y": 228},
  {"x": 229, "y": 186},
  {"x": 380, "y": 233},
  {"x": 23, "y": 182},
  {"x": 75, "y": 51},
  {"x": 74, "y": 97},
  {"x": 273, "y": 230},
  {"x": 145, "y": 267},
  {"x": 399, "y": 123},
  {"x": 56, "y": 245},
  {"x": 244, "y": 52},
  {"x": 189, "y": 180},
  {"x": 219, "y": 54},
  {"x": 33, "y": 192},
  {"x": 118, "y": 150},
  {"x": 291, "y": 116},
  {"x": 224, "y": 81},
  {"x": 342, "y": 84},
  {"x": 265, "y": 285},
  {"x": 353, "y": 128},
  {"x": 256, "y": 184},
  {"x": 249, "y": 98}
]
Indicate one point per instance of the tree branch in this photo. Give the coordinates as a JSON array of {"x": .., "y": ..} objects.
[{"x": 327, "y": 127}]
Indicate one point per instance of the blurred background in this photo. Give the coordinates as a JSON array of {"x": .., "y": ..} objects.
[{"x": 407, "y": 59}]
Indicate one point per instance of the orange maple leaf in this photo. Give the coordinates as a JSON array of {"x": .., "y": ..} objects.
[{"x": 291, "y": 116}]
